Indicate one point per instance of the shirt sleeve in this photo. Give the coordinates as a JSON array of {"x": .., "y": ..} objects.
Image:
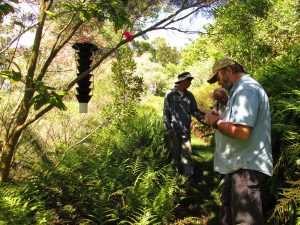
[
  {"x": 167, "y": 113},
  {"x": 245, "y": 107},
  {"x": 195, "y": 110}
]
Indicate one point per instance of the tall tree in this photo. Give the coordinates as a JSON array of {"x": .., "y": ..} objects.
[
  {"x": 128, "y": 87},
  {"x": 164, "y": 53},
  {"x": 65, "y": 21},
  {"x": 264, "y": 29}
]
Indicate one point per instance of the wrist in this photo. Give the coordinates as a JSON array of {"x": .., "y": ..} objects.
[{"x": 215, "y": 124}]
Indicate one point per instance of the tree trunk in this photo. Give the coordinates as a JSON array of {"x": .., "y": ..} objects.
[{"x": 8, "y": 150}]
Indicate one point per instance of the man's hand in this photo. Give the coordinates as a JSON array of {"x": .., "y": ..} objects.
[
  {"x": 211, "y": 117},
  {"x": 200, "y": 117}
]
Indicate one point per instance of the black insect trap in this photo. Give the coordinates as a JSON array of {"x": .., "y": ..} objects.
[{"x": 84, "y": 51}]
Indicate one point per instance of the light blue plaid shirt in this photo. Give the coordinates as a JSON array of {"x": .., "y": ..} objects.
[{"x": 248, "y": 105}]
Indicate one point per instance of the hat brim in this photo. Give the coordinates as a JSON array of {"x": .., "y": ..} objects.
[
  {"x": 213, "y": 79},
  {"x": 188, "y": 78}
]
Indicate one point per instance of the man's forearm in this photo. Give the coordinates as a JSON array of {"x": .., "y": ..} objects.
[
  {"x": 200, "y": 117},
  {"x": 240, "y": 132}
]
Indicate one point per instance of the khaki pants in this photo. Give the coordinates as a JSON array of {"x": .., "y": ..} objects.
[
  {"x": 241, "y": 198},
  {"x": 181, "y": 152}
]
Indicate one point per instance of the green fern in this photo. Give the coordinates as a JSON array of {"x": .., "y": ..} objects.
[
  {"x": 137, "y": 167},
  {"x": 287, "y": 209},
  {"x": 13, "y": 208},
  {"x": 141, "y": 217}
]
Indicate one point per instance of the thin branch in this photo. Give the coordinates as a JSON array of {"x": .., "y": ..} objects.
[
  {"x": 36, "y": 117},
  {"x": 185, "y": 16},
  {"x": 17, "y": 38},
  {"x": 13, "y": 55},
  {"x": 28, "y": 94},
  {"x": 6, "y": 123},
  {"x": 58, "y": 71},
  {"x": 36, "y": 44},
  {"x": 174, "y": 20},
  {"x": 56, "y": 49},
  {"x": 62, "y": 30},
  {"x": 184, "y": 31}
]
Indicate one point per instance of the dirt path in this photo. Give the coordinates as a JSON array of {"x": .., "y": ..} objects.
[{"x": 201, "y": 200}]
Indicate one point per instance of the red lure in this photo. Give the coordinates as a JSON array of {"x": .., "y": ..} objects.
[{"x": 128, "y": 35}]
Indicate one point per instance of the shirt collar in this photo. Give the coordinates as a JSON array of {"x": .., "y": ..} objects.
[
  {"x": 180, "y": 92},
  {"x": 241, "y": 80}
]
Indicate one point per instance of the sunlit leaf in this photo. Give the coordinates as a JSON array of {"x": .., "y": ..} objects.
[
  {"x": 5, "y": 9},
  {"x": 85, "y": 15},
  {"x": 56, "y": 100},
  {"x": 47, "y": 95},
  {"x": 5, "y": 74},
  {"x": 11, "y": 75},
  {"x": 51, "y": 15},
  {"x": 16, "y": 76},
  {"x": 19, "y": 23}
]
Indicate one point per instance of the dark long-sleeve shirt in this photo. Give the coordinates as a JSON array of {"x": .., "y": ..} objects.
[{"x": 179, "y": 107}]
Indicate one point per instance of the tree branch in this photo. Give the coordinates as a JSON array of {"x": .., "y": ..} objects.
[
  {"x": 169, "y": 18},
  {"x": 17, "y": 38},
  {"x": 36, "y": 117},
  {"x": 56, "y": 48},
  {"x": 29, "y": 90},
  {"x": 184, "y": 31},
  {"x": 174, "y": 19},
  {"x": 61, "y": 31}
]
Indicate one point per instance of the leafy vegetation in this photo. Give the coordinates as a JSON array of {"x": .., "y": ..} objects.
[
  {"x": 285, "y": 115},
  {"x": 110, "y": 178},
  {"x": 56, "y": 24},
  {"x": 111, "y": 166}
]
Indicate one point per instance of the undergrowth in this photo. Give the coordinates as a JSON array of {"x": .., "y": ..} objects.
[{"x": 120, "y": 175}]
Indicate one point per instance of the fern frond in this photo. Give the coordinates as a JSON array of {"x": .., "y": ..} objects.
[
  {"x": 288, "y": 204},
  {"x": 142, "y": 216},
  {"x": 137, "y": 167}
]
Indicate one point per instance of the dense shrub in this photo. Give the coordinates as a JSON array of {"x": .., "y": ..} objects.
[
  {"x": 280, "y": 78},
  {"x": 118, "y": 175}
]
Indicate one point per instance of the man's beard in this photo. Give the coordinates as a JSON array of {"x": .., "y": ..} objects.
[{"x": 227, "y": 84}]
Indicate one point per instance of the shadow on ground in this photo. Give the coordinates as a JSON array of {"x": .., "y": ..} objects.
[{"x": 201, "y": 200}]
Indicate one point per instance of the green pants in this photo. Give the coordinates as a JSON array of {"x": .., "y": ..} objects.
[{"x": 181, "y": 152}]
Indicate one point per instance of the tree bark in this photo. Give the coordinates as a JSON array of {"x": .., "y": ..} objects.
[
  {"x": 17, "y": 126},
  {"x": 8, "y": 150}
]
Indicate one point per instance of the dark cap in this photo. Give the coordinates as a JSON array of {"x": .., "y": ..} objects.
[{"x": 183, "y": 76}]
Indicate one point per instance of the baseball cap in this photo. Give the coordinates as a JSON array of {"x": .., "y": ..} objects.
[{"x": 219, "y": 64}]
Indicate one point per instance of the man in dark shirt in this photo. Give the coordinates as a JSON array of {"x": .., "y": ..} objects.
[{"x": 179, "y": 106}]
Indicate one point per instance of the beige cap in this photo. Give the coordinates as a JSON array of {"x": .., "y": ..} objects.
[{"x": 219, "y": 64}]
